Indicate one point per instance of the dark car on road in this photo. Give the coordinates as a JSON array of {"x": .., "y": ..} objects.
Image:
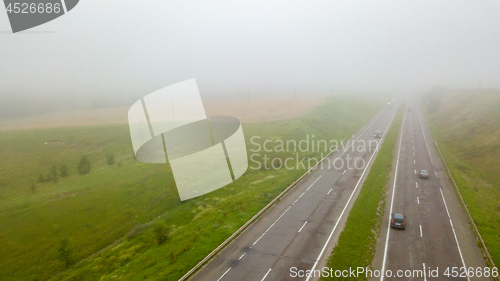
[
  {"x": 423, "y": 174},
  {"x": 378, "y": 134},
  {"x": 398, "y": 221}
]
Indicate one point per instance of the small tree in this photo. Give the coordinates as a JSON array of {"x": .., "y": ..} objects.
[
  {"x": 110, "y": 158},
  {"x": 54, "y": 176},
  {"x": 63, "y": 170},
  {"x": 41, "y": 178},
  {"x": 83, "y": 166},
  {"x": 64, "y": 252},
  {"x": 161, "y": 233},
  {"x": 33, "y": 186}
]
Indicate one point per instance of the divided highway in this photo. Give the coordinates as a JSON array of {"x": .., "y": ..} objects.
[
  {"x": 301, "y": 229},
  {"x": 437, "y": 234}
]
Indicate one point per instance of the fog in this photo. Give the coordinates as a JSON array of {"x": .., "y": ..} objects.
[{"x": 127, "y": 49}]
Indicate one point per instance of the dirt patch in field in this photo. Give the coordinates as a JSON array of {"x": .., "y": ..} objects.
[{"x": 247, "y": 110}]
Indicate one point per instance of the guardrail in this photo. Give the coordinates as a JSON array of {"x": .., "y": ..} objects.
[{"x": 486, "y": 252}]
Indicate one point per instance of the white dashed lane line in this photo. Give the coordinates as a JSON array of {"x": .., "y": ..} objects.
[
  {"x": 242, "y": 256},
  {"x": 418, "y": 201},
  {"x": 266, "y": 275},
  {"x": 224, "y": 274},
  {"x": 416, "y": 184},
  {"x": 420, "y": 230},
  {"x": 303, "y": 226},
  {"x": 329, "y": 191}
]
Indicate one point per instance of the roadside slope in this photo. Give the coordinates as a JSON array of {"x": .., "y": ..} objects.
[{"x": 465, "y": 126}]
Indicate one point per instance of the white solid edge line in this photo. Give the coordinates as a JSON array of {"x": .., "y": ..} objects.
[
  {"x": 266, "y": 275},
  {"x": 224, "y": 274},
  {"x": 303, "y": 226},
  {"x": 392, "y": 202},
  {"x": 348, "y": 201},
  {"x": 452, "y": 228},
  {"x": 425, "y": 139}
]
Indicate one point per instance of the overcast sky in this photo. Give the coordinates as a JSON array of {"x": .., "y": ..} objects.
[{"x": 129, "y": 47}]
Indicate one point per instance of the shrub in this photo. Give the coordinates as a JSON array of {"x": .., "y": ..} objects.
[
  {"x": 64, "y": 252},
  {"x": 83, "y": 166},
  {"x": 54, "y": 176},
  {"x": 63, "y": 170},
  {"x": 161, "y": 233},
  {"x": 110, "y": 158}
]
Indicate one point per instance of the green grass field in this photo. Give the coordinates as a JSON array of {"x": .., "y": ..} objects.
[
  {"x": 109, "y": 216},
  {"x": 357, "y": 242},
  {"x": 466, "y": 128}
]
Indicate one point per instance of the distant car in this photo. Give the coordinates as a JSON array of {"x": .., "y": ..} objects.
[
  {"x": 378, "y": 134},
  {"x": 398, "y": 221},
  {"x": 423, "y": 174}
]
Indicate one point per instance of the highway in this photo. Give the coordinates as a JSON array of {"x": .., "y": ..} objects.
[
  {"x": 301, "y": 229},
  {"x": 437, "y": 234}
]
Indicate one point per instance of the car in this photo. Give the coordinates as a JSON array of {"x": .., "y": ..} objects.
[
  {"x": 423, "y": 174},
  {"x": 378, "y": 134},
  {"x": 398, "y": 221}
]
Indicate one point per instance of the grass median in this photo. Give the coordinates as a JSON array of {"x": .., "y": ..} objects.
[{"x": 357, "y": 242}]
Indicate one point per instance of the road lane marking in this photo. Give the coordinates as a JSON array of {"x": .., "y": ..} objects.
[
  {"x": 303, "y": 226},
  {"x": 452, "y": 228},
  {"x": 271, "y": 226},
  {"x": 265, "y": 275},
  {"x": 425, "y": 141},
  {"x": 242, "y": 256},
  {"x": 420, "y": 230},
  {"x": 349, "y": 200},
  {"x": 329, "y": 191},
  {"x": 418, "y": 201},
  {"x": 415, "y": 172},
  {"x": 344, "y": 172},
  {"x": 435, "y": 174},
  {"x": 414, "y": 161},
  {"x": 416, "y": 184},
  {"x": 413, "y": 153},
  {"x": 224, "y": 274},
  {"x": 306, "y": 190},
  {"x": 413, "y": 147},
  {"x": 392, "y": 202},
  {"x": 425, "y": 276}
]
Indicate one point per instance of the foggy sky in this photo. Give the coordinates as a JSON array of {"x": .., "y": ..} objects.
[{"x": 132, "y": 48}]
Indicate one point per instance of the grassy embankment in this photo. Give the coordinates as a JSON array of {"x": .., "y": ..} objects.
[
  {"x": 465, "y": 124},
  {"x": 357, "y": 242},
  {"x": 110, "y": 208}
]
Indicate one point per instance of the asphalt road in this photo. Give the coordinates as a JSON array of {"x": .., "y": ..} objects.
[
  {"x": 437, "y": 234},
  {"x": 301, "y": 229}
]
